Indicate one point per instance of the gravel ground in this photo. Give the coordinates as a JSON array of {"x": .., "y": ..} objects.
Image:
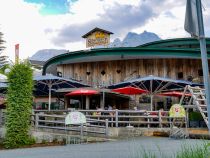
[{"x": 129, "y": 148}]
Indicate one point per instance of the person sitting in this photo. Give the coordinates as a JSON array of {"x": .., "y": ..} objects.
[
  {"x": 113, "y": 113},
  {"x": 98, "y": 112},
  {"x": 164, "y": 119}
]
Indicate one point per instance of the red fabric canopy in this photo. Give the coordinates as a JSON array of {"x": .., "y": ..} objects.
[
  {"x": 130, "y": 90},
  {"x": 174, "y": 94},
  {"x": 82, "y": 92}
]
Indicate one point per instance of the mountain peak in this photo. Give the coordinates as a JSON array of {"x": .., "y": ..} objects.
[
  {"x": 45, "y": 54},
  {"x": 133, "y": 39}
]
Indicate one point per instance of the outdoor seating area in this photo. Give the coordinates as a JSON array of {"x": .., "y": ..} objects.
[{"x": 143, "y": 102}]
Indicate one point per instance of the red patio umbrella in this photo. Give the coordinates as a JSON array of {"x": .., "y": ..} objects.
[
  {"x": 80, "y": 92},
  {"x": 130, "y": 90},
  {"x": 174, "y": 94}
]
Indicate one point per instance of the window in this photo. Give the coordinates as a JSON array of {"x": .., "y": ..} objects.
[
  {"x": 180, "y": 75},
  {"x": 200, "y": 72}
]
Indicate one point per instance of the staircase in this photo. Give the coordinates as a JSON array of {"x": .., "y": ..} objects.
[
  {"x": 198, "y": 99},
  {"x": 178, "y": 133}
]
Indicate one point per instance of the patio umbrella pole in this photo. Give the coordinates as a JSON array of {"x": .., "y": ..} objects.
[
  {"x": 50, "y": 87},
  {"x": 103, "y": 100},
  {"x": 151, "y": 105}
]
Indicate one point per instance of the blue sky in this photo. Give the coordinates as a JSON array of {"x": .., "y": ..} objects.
[
  {"x": 59, "y": 24},
  {"x": 52, "y": 7}
]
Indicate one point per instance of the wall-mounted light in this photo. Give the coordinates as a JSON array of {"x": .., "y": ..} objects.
[
  {"x": 59, "y": 74},
  {"x": 88, "y": 73}
]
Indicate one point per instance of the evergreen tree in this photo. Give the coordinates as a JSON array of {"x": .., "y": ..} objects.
[
  {"x": 19, "y": 106},
  {"x": 3, "y": 59},
  {"x": 1, "y": 42}
]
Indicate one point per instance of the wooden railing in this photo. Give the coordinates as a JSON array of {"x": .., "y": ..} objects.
[
  {"x": 56, "y": 121},
  {"x": 122, "y": 118},
  {"x": 98, "y": 121}
]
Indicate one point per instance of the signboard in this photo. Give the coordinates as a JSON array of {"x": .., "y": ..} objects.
[
  {"x": 75, "y": 118},
  {"x": 177, "y": 110},
  {"x": 98, "y": 38}
]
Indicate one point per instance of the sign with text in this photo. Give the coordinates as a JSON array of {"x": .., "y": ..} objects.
[
  {"x": 177, "y": 110},
  {"x": 98, "y": 38},
  {"x": 75, "y": 118}
]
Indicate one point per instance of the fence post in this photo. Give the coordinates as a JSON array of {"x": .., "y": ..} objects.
[
  {"x": 1, "y": 119},
  {"x": 106, "y": 127},
  {"x": 81, "y": 130},
  {"x": 36, "y": 120},
  {"x": 116, "y": 117},
  {"x": 148, "y": 120},
  {"x": 160, "y": 119}
]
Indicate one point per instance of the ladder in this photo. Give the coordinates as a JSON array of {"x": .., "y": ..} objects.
[{"x": 198, "y": 98}]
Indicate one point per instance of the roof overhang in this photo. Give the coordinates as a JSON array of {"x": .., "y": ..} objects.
[{"x": 110, "y": 54}]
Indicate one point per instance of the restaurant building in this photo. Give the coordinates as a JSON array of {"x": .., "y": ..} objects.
[{"x": 173, "y": 58}]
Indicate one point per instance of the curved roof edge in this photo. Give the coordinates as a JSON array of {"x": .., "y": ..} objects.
[
  {"x": 173, "y": 41},
  {"x": 149, "y": 50}
]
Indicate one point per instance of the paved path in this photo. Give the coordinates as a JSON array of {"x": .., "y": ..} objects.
[{"x": 118, "y": 149}]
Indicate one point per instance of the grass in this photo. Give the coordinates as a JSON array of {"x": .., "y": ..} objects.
[
  {"x": 187, "y": 151},
  {"x": 194, "y": 152}
]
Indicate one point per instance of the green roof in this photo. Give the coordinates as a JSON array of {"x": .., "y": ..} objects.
[{"x": 175, "y": 43}]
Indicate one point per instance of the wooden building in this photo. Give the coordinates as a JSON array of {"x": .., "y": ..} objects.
[{"x": 173, "y": 58}]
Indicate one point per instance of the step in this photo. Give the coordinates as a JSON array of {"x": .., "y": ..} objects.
[
  {"x": 196, "y": 88},
  {"x": 202, "y": 94},
  {"x": 200, "y": 99},
  {"x": 202, "y": 109},
  {"x": 202, "y": 105}
]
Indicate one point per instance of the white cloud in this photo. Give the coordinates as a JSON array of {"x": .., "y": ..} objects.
[{"x": 22, "y": 23}]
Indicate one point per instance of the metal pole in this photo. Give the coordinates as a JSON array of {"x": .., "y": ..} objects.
[
  {"x": 116, "y": 117},
  {"x": 204, "y": 57},
  {"x": 106, "y": 127},
  {"x": 151, "y": 102},
  {"x": 103, "y": 99}
]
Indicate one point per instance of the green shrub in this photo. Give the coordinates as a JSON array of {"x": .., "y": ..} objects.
[
  {"x": 19, "y": 106},
  {"x": 195, "y": 116}
]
